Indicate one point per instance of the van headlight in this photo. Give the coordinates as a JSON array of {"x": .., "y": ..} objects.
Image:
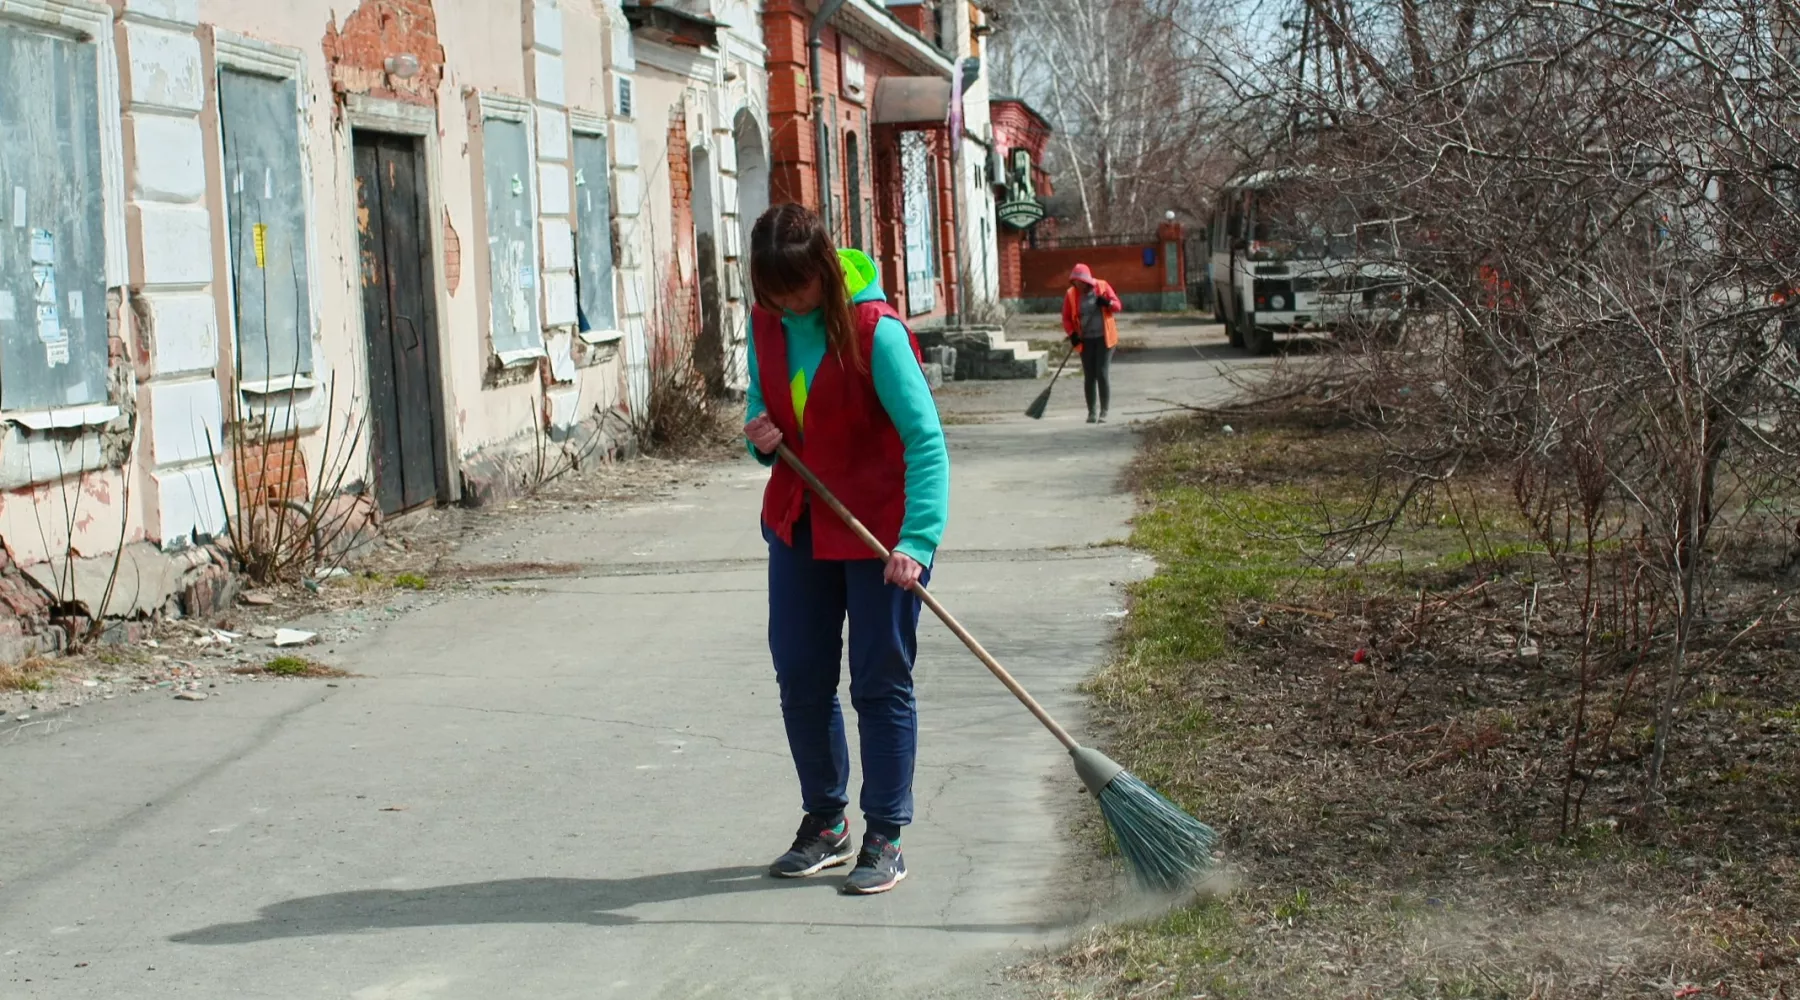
[{"x": 1278, "y": 302}]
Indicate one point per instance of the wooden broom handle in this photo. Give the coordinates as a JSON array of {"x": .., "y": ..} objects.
[{"x": 987, "y": 659}]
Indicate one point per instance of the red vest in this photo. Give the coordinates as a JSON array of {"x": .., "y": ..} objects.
[{"x": 850, "y": 441}]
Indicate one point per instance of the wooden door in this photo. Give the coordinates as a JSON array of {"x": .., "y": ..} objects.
[{"x": 399, "y": 321}]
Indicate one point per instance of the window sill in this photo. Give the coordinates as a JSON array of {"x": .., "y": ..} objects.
[
  {"x": 518, "y": 359},
  {"x": 273, "y": 386},
  {"x": 64, "y": 417},
  {"x": 597, "y": 337}
]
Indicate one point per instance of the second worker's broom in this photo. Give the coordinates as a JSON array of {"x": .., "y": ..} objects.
[
  {"x": 1164, "y": 847},
  {"x": 1036, "y": 410}
]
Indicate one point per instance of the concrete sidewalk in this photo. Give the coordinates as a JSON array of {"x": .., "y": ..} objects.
[{"x": 570, "y": 787}]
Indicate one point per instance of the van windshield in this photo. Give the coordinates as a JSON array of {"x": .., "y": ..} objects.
[{"x": 1299, "y": 225}]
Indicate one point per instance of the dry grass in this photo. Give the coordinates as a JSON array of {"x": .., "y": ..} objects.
[
  {"x": 1389, "y": 773},
  {"x": 32, "y": 675}
]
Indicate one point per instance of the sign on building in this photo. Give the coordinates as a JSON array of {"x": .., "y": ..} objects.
[{"x": 1021, "y": 208}]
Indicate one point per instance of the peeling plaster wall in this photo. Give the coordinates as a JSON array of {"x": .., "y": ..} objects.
[
  {"x": 168, "y": 272},
  {"x": 484, "y": 48}
]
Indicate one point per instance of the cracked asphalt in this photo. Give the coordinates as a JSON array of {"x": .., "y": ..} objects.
[{"x": 570, "y": 786}]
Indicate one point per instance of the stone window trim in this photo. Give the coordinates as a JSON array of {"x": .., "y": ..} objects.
[
  {"x": 485, "y": 106},
  {"x": 87, "y": 21},
  {"x": 243, "y": 54}
]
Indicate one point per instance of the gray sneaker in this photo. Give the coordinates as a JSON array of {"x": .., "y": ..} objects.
[
  {"x": 879, "y": 867},
  {"x": 817, "y": 846}
]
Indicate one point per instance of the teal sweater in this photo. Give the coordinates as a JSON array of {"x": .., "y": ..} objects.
[{"x": 901, "y": 387}]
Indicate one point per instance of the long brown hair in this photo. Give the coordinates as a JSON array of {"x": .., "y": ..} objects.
[{"x": 789, "y": 247}]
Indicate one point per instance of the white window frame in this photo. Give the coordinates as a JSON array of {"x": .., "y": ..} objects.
[{"x": 87, "y": 21}]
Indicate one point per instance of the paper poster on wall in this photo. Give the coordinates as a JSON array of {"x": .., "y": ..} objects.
[
  {"x": 259, "y": 235},
  {"x": 43, "y": 247},
  {"x": 18, "y": 212},
  {"x": 49, "y": 325},
  {"x": 8, "y": 308},
  {"x": 57, "y": 353},
  {"x": 77, "y": 305}
]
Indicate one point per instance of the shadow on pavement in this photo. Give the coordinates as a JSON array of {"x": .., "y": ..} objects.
[
  {"x": 591, "y": 901},
  {"x": 1182, "y": 352}
]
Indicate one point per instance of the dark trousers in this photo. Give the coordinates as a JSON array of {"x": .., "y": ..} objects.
[
  {"x": 808, "y": 602},
  {"x": 1096, "y": 365}
]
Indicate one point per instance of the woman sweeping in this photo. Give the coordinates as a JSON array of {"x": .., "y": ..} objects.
[
  {"x": 835, "y": 374},
  {"x": 1087, "y": 316}
]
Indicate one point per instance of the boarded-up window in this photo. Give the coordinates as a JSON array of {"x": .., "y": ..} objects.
[
  {"x": 593, "y": 237},
  {"x": 511, "y": 230},
  {"x": 265, "y": 200},
  {"x": 52, "y": 224}
]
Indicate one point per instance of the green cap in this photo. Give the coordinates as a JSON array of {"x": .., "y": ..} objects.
[{"x": 859, "y": 271}]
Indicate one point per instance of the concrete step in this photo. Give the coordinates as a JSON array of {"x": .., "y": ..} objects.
[
  {"x": 981, "y": 352},
  {"x": 1011, "y": 361}
]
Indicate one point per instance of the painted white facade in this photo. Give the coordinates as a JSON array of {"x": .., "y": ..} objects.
[{"x": 151, "y": 463}]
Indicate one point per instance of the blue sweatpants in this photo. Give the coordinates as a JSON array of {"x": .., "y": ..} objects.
[{"x": 808, "y": 602}]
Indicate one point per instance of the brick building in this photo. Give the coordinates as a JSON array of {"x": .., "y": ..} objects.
[
  {"x": 877, "y": 161},
  {"x": 1020, "y": 134}
]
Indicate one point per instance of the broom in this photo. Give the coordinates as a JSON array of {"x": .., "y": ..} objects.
[
  {"x": 1164, "y": 846},
  {"x": 1036, "y": 410}
]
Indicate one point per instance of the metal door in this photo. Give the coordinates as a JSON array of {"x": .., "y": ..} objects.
[{"x": 399, "y": 320}]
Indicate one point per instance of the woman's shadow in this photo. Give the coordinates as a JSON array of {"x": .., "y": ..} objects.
[{"x": 591, "y": 901}]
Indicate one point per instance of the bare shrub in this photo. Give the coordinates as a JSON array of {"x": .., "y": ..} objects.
[
  {"x": 678, "y": 415},
  {"x": 286, "y": 515},
  {"x": 1598, "y": 206}
]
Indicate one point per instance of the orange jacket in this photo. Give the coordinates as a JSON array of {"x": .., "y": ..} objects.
[{"x": 1109, "y": 304}]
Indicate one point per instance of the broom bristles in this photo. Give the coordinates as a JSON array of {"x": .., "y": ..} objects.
[
  {"x": 1164, "y": 846},
  {"x": 1036, "y": 410}
]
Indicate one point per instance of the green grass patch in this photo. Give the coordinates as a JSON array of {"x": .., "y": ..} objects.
[{"x": 293, "y": 666}]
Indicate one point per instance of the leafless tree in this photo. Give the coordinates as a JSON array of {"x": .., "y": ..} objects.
[
  {"x": 1129, "y": 88},
  {"x": 1597, "y": 203}
]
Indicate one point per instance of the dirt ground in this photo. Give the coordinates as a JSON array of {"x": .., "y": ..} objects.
[{"x": 1424, "y": 788}]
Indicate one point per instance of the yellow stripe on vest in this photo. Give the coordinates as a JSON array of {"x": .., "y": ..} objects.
[{"x": 798, "y": 389}]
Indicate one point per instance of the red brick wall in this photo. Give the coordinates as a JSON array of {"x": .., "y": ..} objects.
[
  {"x": 791, "y": 153},
  {"x": 1016, "y": 126},
  {"x": 794, "y": 157},
  {"x": 452, "y": 256},
  {"x": 681, "y": 189},
  {"x": 920, "y": 17},
  {"x": 1045, "y": 273},
  {"x": 356, "y": 53},
  {"x": 272, "y": 472},
  {"x": 1012, "y": 274}
]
